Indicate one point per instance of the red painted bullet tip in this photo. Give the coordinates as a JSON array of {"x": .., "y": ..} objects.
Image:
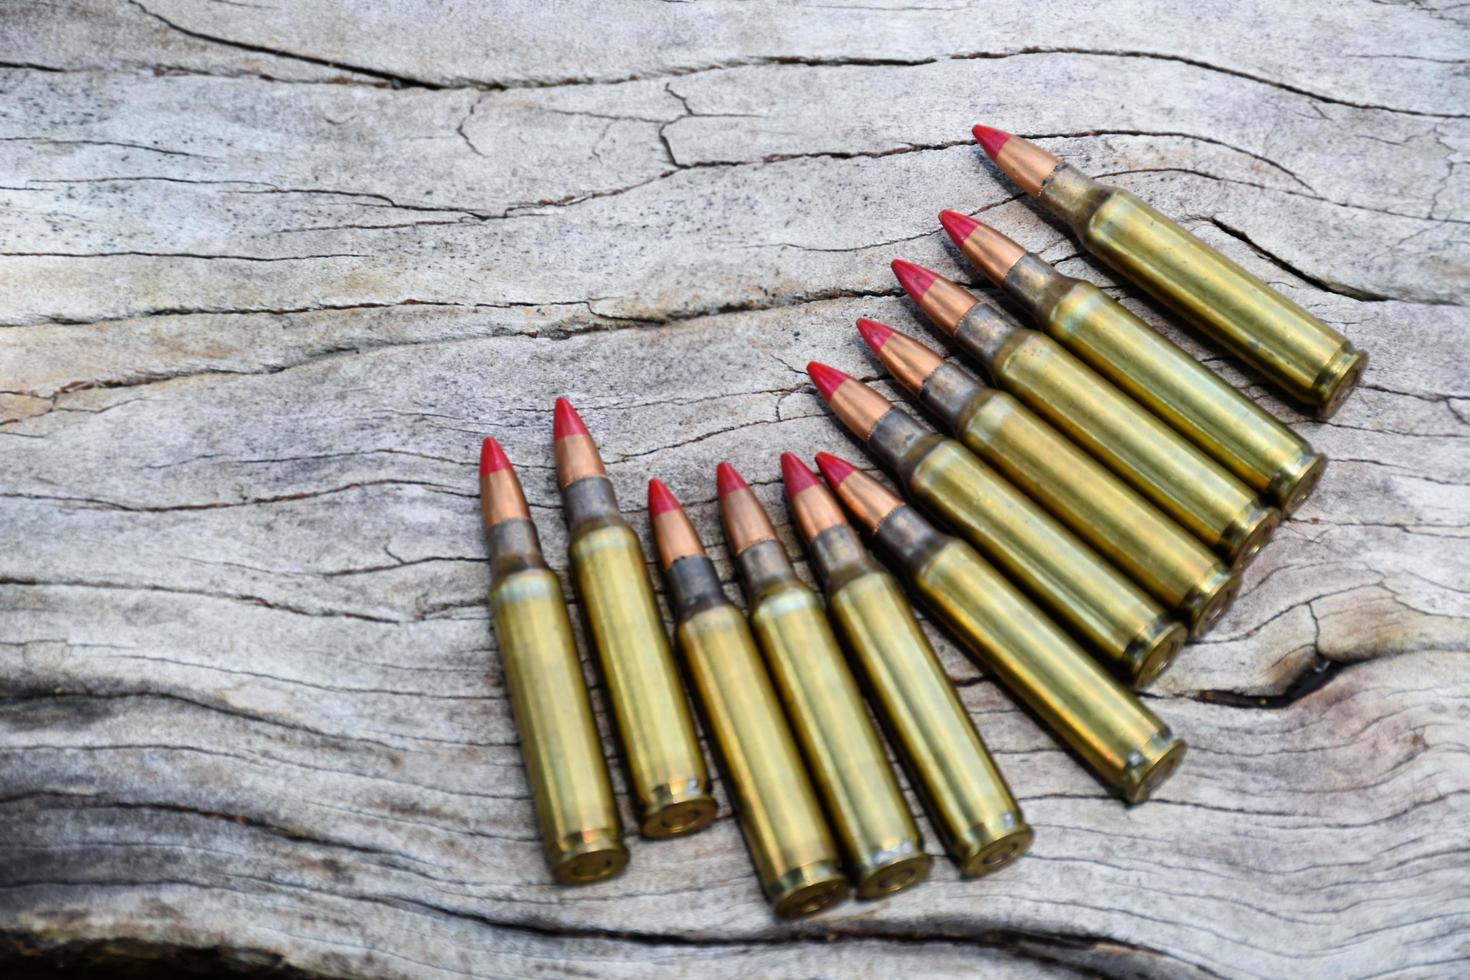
[
  {"x": 827, "y": 379},
  {"x": 958, "y": 225},
  {"x": 492, "y": 457},
  {"x": 566, "y": 421},
  {"x": 874, "y": 333},
  {"x": 991, "y": 139},
  {"x": 796, "y": 474},
  {"x": 727, "y": 480},
  {"x": 834, "y": 468},
  {"x": 660, "y": 499},
  {"x": 915, "y": 279}
]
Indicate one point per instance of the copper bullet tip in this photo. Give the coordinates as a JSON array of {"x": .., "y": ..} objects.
[
  {"x": 958, "y": 225},
  {"x": 746, "y": 521},
  {"x": 492, "y": 457},
  {"x": 868, "y": 500},
  {"x": 990, "y": 139},
  {"x": 812, "y": 504},
  {"x": 673, "y": 532},
  {"x": 727, "y": 480},
  {"x": 501, "y": 497},
  {"x": 875, "y": 334},
  {"x": 915, "y": 279},
  {"x": 827, "y": 379},
  {"x": 576, "y": 453},
  {"x": 993, "y": 252},
  {"x": 856, "y": 405},
  {"x": 1020, "y": 159},
  {"x": 834, "y": 469},
  {"x": 660, "y": 499},
  {"x": 943, "y": 301},
  {"x": 906, "y": 359},
  {"x": 567, "y": 422},
  {"x": 796, "y": 475}
]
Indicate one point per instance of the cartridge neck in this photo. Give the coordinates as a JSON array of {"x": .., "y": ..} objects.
[
  {"x": 1036, "y": 286},
  {"x": 838, "y": 556},
  {"x": 514, "y": 547},
  {"x": 589, "y": 501},
  {"x": 694, "y": 587},
  {"x": 953, "y": 394},
  {"x": 763, "y": 566},
  {"x": 984, "y": 332},
  {"x": 1072, "y": 195},
  {"x": 908, "y": 539},
  {"x": 900, "y": 442}
]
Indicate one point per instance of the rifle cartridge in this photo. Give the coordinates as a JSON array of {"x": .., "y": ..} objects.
[
  {"x": 1124, "y": 743},
  {"x": 666, "y": 769},
  {"x": 1130, "y": 440},
  {"x": 580, "y": 829},
  {"x": 782, "y": 822},
  {"x": 1170, "y": 563},
  {"x": 1233, "y": 430},
  {"x": 1119, "y": 622},
  {"x": 1311, "y": 362},
  {"x": 967, "y": 798},
  {"x": 884, "y": 848}
]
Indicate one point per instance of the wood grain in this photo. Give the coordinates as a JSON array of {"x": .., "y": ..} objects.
[{"x": 268, "y": 273}]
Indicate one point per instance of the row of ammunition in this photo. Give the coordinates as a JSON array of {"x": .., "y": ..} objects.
[
  {"x": 1105, "y": 493},
  {"x": 811, "y": 784}
]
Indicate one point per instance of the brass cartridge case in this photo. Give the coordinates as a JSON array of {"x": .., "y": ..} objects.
[
  {"x": 872, "y": 822},
  {"x": 666, "y": 769},
  {"x": 1163, "y": 558},
  {"x": 1125, "y": 627},
  {"x": 1130, "y": 440},
  {"x": 580, "y": 828},
  {"x": 1234, "y": 431},
  {"x": 780, "y": 817},
  {"x": 969, "y": 803},
  {"x": 1124, "y": 743},
  {"x": 1310, "y": 361}
]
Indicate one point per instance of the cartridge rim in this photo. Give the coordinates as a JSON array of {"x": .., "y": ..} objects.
[
  {"x": 1246, "y": 537},
  {"x": 1153, "y": 651},
  {"x": 1207, "y": 604},
  {"x": 1154, "y": 764},
  {"x": 1339, "y": 378},
  {"x": 595, "y": 857},
  {"x": 894, "y": 876},
  {"x": 1297, "y": 482},
  {"x": 676, "y": 810},
  {"x": 808, "y": 889},
  {"x": 994, "y": 844}
]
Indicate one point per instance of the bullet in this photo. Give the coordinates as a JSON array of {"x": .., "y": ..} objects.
[
  {"x": 1122, "y": 742},
  {"x": 968, "y": 800},
  {"x": 1118, "y": 621},
  {"x": 782, "y": 821},
  {"x": 1155, "y": 460},
  {"x": 665, "y": 766},
  {"x": 1230, "y": 428},
  {"x": 580, "y": 829},
  {"x": 1310, "y": 361},
  {"x": 1167, "y": 561},
  {"x": 884, "y": 848}
]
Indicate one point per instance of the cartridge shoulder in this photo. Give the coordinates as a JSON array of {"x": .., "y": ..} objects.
[
  {"x": 874, "y": 587},
  {"x": 525, "y": 584},
  {"x": 609, "y": 532},
  {"x": 989, "y": 414},
  {"x": 785, "y": 598},
  {"x": 1119, "y": 207},
  {"x": 721, "y": 622}
]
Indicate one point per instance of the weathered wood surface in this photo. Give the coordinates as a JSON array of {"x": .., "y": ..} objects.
[{"x": 268, "y": 273}]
